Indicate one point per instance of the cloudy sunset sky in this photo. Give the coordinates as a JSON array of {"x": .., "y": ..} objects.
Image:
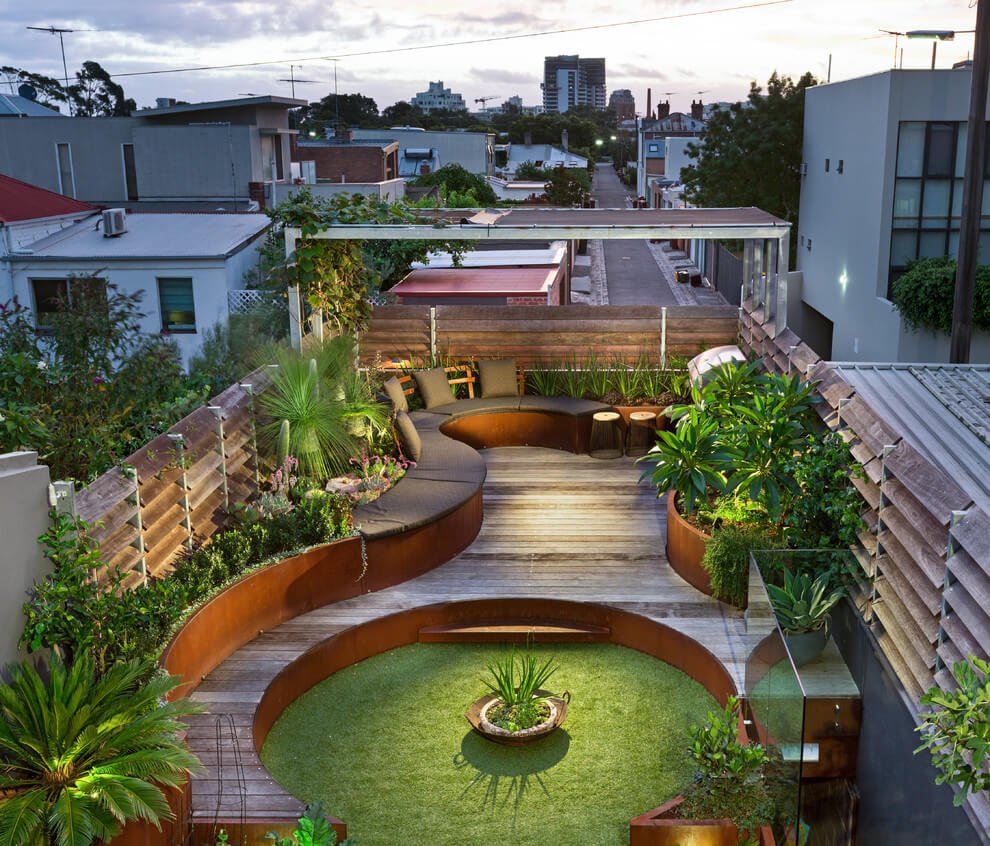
[{"x": 708, "y": 50}]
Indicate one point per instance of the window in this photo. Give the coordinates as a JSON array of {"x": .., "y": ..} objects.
[
  {"x": 54, "y": 295},
  {"x": 66, "y": 178},
  {"x": 941, "y": 147},
  {"x": 130, "y": 172},
  {"x": 653, "y": 148},
  {"x": 175, "y": 297}
]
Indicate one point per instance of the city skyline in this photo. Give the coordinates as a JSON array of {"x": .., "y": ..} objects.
[{"x": 705, "y": 53}]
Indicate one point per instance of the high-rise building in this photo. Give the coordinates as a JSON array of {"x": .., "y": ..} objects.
[
  {"x": 622, "y": 103},
  {"x": 572, "y": 81},
  {"x": 437, "y": 97}
]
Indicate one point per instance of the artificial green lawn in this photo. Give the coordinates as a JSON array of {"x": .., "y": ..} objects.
[{"x": 385, "y": 745}]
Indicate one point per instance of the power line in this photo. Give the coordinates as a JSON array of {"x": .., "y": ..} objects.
[{"x": 489, "y": 40}]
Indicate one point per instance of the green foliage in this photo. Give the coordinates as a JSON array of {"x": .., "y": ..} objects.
[
  {"x": 957, "y": 731},
  {"x": 726, "y": 558},
  {"x": 515, "y": 679},
  {"x": 454, "y": 179},
  {"x": 802, "y": 605},
  {"x": 49, "y": 91},
  {"x": 328, "y": 406},
  {"x": 564, "y": 187},
  {"x": 352, "y": 110},
  {"x": 746, "y": 802},
  {"x": 691, "y": 460},
  {"x": 750, "y": 154},
  {"x": 716, "y": 749},
  {"x": 609, "y": 381},
  {"x": 312, "y": 829},
  {"x": 519, "y": 717},
  {"x": 83, "y": 754},
  {"x": 925, "y": 292},
  {"x": 582, "y": 128},
  {"x": 95, "y": 94}
]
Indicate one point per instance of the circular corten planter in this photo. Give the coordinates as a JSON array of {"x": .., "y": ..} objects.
[
  {"x": 476, "y": 716},
  {"x": 686, "y": 548}
]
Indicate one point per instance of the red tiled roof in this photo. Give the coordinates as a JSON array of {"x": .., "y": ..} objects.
[
  {"x": 476, "y": 281},
  {"x": 23, "y": 201}
]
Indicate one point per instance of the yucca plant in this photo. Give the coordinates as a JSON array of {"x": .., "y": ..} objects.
[
  {"x": 82, "y": 755},
  {"x": 802, "y": 605},
  {"x": 515, "y": 679}
]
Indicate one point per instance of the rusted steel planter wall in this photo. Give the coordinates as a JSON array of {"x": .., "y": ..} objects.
[
  {"x": 686, "y": 549},
  {"x": 661, "y": 827}
]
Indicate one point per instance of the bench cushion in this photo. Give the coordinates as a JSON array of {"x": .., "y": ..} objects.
[
  {"x": 498, "y": 378},
  {"x": 410, "y": 504},
  {"x": 393, "y": 388},
  {"x": 561, "y": 405},
  {"x": 433, "y": 387},
  {"x": 412, "y": 444},
  {"x": 447, "y": 460}
]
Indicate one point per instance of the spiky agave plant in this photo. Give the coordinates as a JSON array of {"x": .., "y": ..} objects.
[{"x": 82, "y": 755}]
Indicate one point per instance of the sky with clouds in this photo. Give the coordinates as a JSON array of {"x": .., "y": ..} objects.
[{"x": 710, "y": 51}]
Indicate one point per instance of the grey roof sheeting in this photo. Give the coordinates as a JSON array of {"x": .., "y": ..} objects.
[
  {"x": 14, "y": 105},
  {"x": 212, "y": 105},
  {"x": 942, "y": 410}
]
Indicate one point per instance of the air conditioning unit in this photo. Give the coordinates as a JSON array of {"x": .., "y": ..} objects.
[
  {"x": 803, "y": 169},
  {"x": 114, "y": 222}
]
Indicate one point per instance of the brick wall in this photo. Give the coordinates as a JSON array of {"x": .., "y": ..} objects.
[
  {"x": 341, "y": 163},
  {"x": 526, "y": 301}
]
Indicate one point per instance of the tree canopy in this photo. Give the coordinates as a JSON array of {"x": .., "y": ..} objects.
[
  {"x": 750, "y": 153},
  {"x": 93, "y": 94},
  {"x": 565, "y": 186},
  {"x": 352, "y": 109},
  {"x": 459, "y": 188}
]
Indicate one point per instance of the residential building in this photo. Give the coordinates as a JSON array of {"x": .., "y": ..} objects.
[
  {"x": 622, "y": 102},
  {"x": 230, "y": 154},
  {"x": 515, "y": 104},
  {"x": 186, "y": 264},
  {"x": 881, "y": 186},
  {"x": 652, "y": 135},
  {"x": 438, "y": 98},
  {"x": 422, "y": 152},
  {"x": 346, "y": 159},
  {"x": 19, "y": 106},
  {"x": 519, "y": 190},
  {"x": 573, "y": 81},
  {"x": 541, "y": 155}
]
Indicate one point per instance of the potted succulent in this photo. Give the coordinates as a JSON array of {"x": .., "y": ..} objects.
[
  {"x": 517, "y": 709},
  {"x": 802, "y": 607}
]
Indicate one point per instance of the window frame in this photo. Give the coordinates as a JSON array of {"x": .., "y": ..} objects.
[
  {"x": 176, "y": 329},
  {"x": 58, "y": 169}
]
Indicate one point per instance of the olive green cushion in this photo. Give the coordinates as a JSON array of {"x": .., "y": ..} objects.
[
  {"x": 412, "y": 446},
  {"x": 433, "y": 387},
  {"x": 498, "y": 378},
  {"x": 393, "y": 387}
]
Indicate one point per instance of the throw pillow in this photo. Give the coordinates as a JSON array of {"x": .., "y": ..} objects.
[
  {"x": 433, "y": 387},
  {"x": 393, "y": 387},
  {"x": 412, "y": 446},
  {"x": 498, "y": 378}
]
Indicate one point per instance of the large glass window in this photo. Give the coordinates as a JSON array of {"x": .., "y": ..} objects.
[
  {"x": 54, "y": 295},
  {"x": 927, "y": 202},
  {"x": 66, "y": 178},
  {"x": 178, "y": 308}
]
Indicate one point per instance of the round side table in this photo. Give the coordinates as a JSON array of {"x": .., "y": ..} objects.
[
  {"x": 606, "y": 435},
  {"x": 642, "y": 425}
]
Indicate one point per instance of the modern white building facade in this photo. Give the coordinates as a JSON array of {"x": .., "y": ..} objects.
[
  {"x": 437, "y": 98},
  {"x": 882, "y": 185}
]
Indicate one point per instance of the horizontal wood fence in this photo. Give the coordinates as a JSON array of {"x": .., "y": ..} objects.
[
  {"x": 176, "y": 491},
  {"x": 545, "y": 333},
  {"x": 925, "y": 553}
]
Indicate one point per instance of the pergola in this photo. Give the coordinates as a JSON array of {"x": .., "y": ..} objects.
[{"x": 765, "y": 256}]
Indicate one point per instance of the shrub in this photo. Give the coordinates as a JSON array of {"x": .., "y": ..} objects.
[
  {"x": 716, "y": 749},
  {"x": 925, "y": 292},
  {"x": 726, "y": 558}
]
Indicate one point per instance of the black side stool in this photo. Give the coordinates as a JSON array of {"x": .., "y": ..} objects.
[
  {"x": 606, "y": 435},
  {"x": 642, "y": 425}
]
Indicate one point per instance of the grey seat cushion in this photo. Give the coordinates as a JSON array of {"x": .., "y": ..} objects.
[
  {"x": 478, "y": 405},
  {"x": 561, "y": 405},
  {"x": 498, "y": 378},
  {"x": 433, "y": 387},
  {"x": 393, "y": 388},
  {"x": 427, "y": 421},
  {"x": 410, "y": 504},
  {"x": 412, "y": 444},
  {"x": 447, "y": 460}
]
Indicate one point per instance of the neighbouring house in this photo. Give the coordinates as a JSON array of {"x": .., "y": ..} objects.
[
  {"x": 881, "y": 186},
  {"x": 422, "y": 151},
  {"x": 344, "y": 165},
  {"x": 519, "y": 190},
  {"x": 541, "y": 155},
  {"x": 573, "y": 81},
  {"x": 18, "y": 106},
  {"x": 185, "y": 263},
  {"x": 622, "y": 102},
  {"x": 229, "y": 154},
  {"x": 652, "y": 135},
  {"x": 438, "y": 98}
]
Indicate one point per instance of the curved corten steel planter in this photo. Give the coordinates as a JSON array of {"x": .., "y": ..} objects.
[
  {"x": 662, "y": 827},
  {"x": 522, "y": 428},
  {"x": 686, "y": 548}
]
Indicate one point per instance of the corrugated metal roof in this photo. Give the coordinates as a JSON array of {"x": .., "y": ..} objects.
[
  {"x": 154, "y": 236},
  {"x": 477, "y": 282},
  {"x": 23, "y": 201},
  {"x": 942, "y": 410},
  {"x": 18, "y": 106},
  {"x": 554, "y": 254}
]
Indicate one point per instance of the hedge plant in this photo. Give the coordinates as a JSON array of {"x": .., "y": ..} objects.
[{"x": 924, "y": 294}]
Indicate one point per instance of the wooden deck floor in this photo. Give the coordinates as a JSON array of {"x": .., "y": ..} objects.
[{"x": 556, "y": 525}]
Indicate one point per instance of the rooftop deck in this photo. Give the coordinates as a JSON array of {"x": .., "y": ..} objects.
[{"x": 556, "y": 525}]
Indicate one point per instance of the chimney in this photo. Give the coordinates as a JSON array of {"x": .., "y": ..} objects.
[
  {"x": 563, "y": 139},
  {"x": 698, "y": 110},
  {"x": 346, "y": 135},
  {"x": 528, "y": 139},
  {"x": 649, "y": 103},
  {"x": 663, "y": 109}
]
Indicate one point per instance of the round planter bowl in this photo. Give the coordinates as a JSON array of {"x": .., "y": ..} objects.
[
  {"x": 807, "y": 646},
  {"x": 477, "y": 716}
]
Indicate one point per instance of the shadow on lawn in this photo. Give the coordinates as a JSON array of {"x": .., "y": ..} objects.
[{"x": 506, "y": 774}]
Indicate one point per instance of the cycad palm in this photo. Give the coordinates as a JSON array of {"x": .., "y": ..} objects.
[{"x": 80, "y": 755}]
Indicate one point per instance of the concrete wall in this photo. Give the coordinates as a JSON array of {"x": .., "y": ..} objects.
[
  {"x": 676, "y": 156},
  {"x": 468, "y": 149},
  {"x": 389, "y": 191},
  {"x": 845, "y": 218},
  {"x": 23, "y": 517}
]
